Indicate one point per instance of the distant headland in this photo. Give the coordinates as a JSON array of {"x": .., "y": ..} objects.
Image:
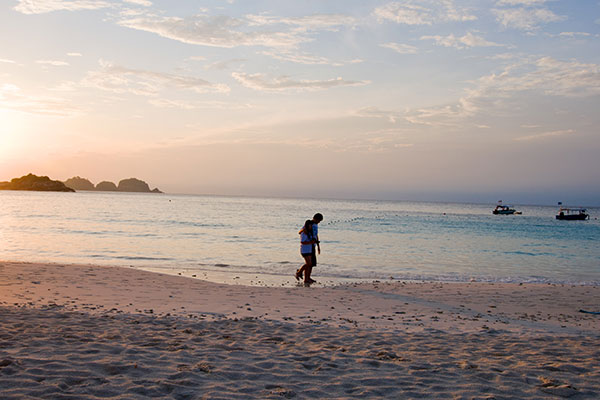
[
  {"x": 37, "y": 183},
  {"x": 125, "y": 185},
  {"x": 43, "y": 183}
]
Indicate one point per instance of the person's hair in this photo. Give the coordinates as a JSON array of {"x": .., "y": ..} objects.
[
  {"x": 307, "y": 228},
  {"x": 318, "y": 217}
]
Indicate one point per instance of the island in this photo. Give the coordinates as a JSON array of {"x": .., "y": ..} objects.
[
  {"x": 106, "y": 186},
  {"x": 36, "y": 183},
  {"x": 125, "y": 185},
  {"x": 43, "y": 183},
  {"x": 79, "y": 183}
]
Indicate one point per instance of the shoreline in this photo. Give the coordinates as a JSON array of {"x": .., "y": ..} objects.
[
  {"x": 224, "y": 274},
  {"x": 102, "y": 331},
  {"x": 383, "y": 305}
]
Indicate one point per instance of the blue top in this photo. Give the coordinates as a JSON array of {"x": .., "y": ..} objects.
[{"x": 305, "y": 248}]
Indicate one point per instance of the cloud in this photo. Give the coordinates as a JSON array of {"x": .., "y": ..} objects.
[
  {"x": 377, "y": 141},
  {"x": 520, "y": 2},
  {"x": 524, "y": 18},
  {"x": 216, "y": 31},
  {"x": 226, "y": 64},
  {"x": 118, "y": 79},
  {"x": 13, "y": 98},
  {"x": 331, "y": 22},
  {"x": 46, "y": 6},
  {"x": 197, "y": 105},
  {"x": 74, "y": 54},
  {"x": 408, "y": 14},
  {"x": 450, "y": 115},
  {"x": 145, "y": 3},
  {"x": 5, "y": 61},
  {"x": 400, "y": 48},
  {"x": 261, "y": 82},
  {"x": 306, "y": 59},
  {"x": 543, "y": 76},
  {"x": 466, "y": 41},
  {"x": 573, "y": 34},
  {"x": 546, "y": 135},
  {"x": 375, "y": 112},
  {"x": 425, "y": 12},
  {"x": 54, "y": 63},
  {"x": 547, "y": 76}
]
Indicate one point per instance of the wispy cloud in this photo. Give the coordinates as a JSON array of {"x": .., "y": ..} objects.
[
  {"x": 46, "y": 6},
  {"x": 543, "y": 76},
  {"x": 574, "y": 34},
  {"x": 74, "y": 54},
  {"x": 281, "y": 83},
  {"x": 5, "y": 61},
  {"x": 306, "y": 59},
  {"x": 467, "y": 41},
  {"x": 547, "y": 76},
  {"x": 377, "y": 141},
  {"x": 400, "y": 48},
  {"x": 145, "y": 3},
  {"x": 526, "y": 19},
  {"x": 546, "y": 135},
  {"x": 13, "y": 98},
  {"x": 226, "y": 64},
  {"x": 449, "y": 115},
  {"x": 331, "y": 22},
  {"x": 197, "y": 105},
  {"x": 216, "y": 31},
  {"x": 424, "y": 12},
  {"x": 521, "y": 2},
  {"x": 409, "y": 14},
  {"x": 120, "y": 79},
  {"x": 54, "y": 63},
  {"x": 375, "y": 112}
]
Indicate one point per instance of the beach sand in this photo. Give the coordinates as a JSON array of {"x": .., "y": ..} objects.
[{"x": 81, "y": 331}]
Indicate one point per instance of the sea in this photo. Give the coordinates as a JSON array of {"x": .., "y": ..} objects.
[{"x": 255, "y": 241}]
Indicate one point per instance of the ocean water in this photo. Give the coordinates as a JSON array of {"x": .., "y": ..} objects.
[{"x": 228, "y": 238}]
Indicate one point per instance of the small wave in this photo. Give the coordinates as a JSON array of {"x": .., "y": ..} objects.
[
  {"x": 521, "y": 253},
  {"x": 138, "y": 258}
]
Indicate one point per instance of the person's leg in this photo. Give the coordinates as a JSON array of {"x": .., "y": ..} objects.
[
  {"x": 307, "y": 262},
  {"x": 312, "y": 262},
  {"x": 307, "y": 272}
]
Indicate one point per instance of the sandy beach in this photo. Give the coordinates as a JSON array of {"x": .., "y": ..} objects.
[{"x": 82, "y": 331}]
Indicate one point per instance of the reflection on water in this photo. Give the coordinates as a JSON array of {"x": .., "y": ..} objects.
[{"x": 360, "y": 239}]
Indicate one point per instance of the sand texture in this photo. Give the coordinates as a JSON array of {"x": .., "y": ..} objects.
[{"x": 85, "y": 332}]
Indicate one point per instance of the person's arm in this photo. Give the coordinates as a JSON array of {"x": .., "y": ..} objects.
[
  {"x": 306, "y": 241},
  {"x": 318, "y": 245}
]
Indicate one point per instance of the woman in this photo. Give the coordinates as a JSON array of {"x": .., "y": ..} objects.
[{"x": 307, "y": 243}]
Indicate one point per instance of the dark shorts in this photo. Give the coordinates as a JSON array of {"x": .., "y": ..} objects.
[{"x": 313, "y": 257}]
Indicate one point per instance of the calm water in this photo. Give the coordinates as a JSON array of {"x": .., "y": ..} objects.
[{"x": 227, "y": 237}]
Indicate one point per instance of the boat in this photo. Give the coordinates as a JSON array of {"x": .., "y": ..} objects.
[
  {"x": 572, "y": 214},
  {"x": 502, "y": 209}
]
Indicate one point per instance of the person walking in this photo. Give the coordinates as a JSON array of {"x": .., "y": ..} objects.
[{"x": 309, "y": 247}]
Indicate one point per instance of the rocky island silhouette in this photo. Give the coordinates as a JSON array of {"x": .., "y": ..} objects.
[
  {"x": 36, "y": 183},
  {"x": 125, "y": 185},
  {"x": 44, "y": 183}
]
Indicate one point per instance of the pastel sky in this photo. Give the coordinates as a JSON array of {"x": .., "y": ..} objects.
[{"x": 420, "y": 99}]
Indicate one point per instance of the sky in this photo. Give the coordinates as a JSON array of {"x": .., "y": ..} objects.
[{"x": 445, "y": 100}]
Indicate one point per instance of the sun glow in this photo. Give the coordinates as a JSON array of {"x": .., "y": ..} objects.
[{"x": 10, "y": 128}]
